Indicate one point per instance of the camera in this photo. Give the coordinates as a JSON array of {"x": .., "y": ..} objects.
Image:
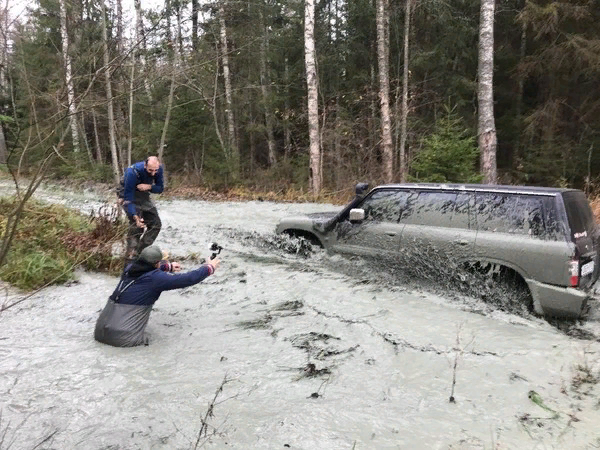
[{"x": 216, "y": 249}]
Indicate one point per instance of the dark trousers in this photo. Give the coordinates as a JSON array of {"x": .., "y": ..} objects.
[{"x": 137, "y": 239}]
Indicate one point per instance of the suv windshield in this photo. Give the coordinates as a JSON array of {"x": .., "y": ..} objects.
[{"x": 581, "y": 219}]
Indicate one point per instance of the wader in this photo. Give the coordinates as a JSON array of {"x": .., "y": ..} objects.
[{"x": 122, "y": 325}]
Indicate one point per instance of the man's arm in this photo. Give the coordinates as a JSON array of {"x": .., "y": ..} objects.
[
  {"x": 163, "y": 281},
  {"x": 130, "y": 182},
  {"x": 158, "y": 185}
]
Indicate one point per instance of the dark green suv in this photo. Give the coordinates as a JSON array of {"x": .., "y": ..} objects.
[{"x": 544, "y": 237}]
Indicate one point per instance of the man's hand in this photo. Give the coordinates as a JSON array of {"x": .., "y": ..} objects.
[
  {"x": 214, "y": 262},
  {"x": 144, "y": 187},
  {"x": 139, "y": 222},
  {"x": 175, "y": 267}
]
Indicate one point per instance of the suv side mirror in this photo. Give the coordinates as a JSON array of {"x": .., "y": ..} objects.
[
  {"x": 361, "y": 189},
  {"x": 357, "y": 215}
]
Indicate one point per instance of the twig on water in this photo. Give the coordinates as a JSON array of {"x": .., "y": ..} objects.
[
  {"x": 46, "y": 439},
  {"x": 458, "y": 352},
  {"x": 209, "y": 413}
]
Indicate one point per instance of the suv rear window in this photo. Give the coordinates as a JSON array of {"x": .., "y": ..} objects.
[{"x": 579, "y": 213}]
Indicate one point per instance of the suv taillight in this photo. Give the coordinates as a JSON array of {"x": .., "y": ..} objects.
[{"x": 574, "y": 272}]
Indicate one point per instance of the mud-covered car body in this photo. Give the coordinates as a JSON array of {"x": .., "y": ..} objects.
[{"x": 545, "y": 236}]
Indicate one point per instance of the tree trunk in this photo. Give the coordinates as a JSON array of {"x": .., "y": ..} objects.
[
  {"x": 403, "y": 133},
  {"x": 3, "y": 78},
  {"x": 109, "y": 99},
  {"x": 195, "y": 8},
  {"x": 486, "y": 126},
  {"x": 80, "y": 127},
  {"x": 3, "y": 150},
  {"x": 68, "y": 77},
  {"x": 120, "y": 88},
  {"x": 179, "y": 35},
  {"x": 372, "y": 121},
  {"x": 337, "y": 144},
  {"x": 163, "y": 136},
  {"x": 287, "y": 135},
  {"x": 519, "y": 100},
  {"x": 252, "y": 145},
  {"x": 130, "y": 140},
  {"x": 99, "y": 156},
  {"x": 315, "y": 176},
  {"x": 119, "y": 27},
  {"x": 234, "y": 151},
  {"x": 168, "y": 26},
  {"x": 213, "y": 106},
  {"x": 383, "y": 50},
  {"x": 264, "y": 85},
  {"x": 140, "y": 39}
]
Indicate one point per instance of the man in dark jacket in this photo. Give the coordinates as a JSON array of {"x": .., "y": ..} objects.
[
  {"x": 139, "y": 181},
  {"x": 124, "y": 318}
]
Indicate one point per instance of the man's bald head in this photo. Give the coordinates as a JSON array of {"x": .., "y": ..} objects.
[{"x": 152, "y": 165}]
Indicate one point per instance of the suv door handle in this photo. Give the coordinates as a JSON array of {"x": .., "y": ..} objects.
[
  {"x": 391, "y": 233},
  {"x": 461, "y": 242}
]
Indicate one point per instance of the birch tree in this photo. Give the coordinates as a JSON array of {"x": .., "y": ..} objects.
[
  {"x": 315, "y": 176},
  {"x": 68, "y": 77},
  {"x": 109, "y": 98},
  {"x": 486, "y": 127},
  {"x": 383, "y": 52},
  {"x": 233, "y": 148}
]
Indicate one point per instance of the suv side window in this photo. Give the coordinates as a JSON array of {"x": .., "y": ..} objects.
[
  {"x": 506, "y": 213},
  {"x": 554, "y": 228},
  {"x": 533, "y": 217},
  {"x": 465, "y": 207},
  {"x": 384, "y": 205},
  {"x": 432, "y": 208}
]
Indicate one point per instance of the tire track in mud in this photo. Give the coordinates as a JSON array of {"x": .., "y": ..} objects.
[
  {"x": 322, "y": 357},
  {"x": 398, "y": 341}
]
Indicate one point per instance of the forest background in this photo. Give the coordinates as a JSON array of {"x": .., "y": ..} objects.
[{"x": 224, "y": 92}]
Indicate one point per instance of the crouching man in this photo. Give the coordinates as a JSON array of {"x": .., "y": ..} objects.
[{"x": 125, "y": 316}]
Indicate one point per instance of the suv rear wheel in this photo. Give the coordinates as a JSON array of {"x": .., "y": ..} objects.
[{"x": 502, "y": 287}]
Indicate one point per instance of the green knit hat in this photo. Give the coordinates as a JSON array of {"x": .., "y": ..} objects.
[{"x": 151, "y": 255}]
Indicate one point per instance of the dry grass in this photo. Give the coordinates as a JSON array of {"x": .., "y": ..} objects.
[
  {"x": 284, "y": 195},
  {"x": 595, "y": 204}
]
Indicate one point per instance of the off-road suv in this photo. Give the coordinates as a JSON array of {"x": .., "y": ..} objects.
[{"x": 544, "y": 237}]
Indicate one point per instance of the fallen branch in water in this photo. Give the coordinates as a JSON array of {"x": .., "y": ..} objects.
[
  {"x": 459, "y": 351},
  {"x": 209, "y": 414},
  {"x": 46, "y": 439}
]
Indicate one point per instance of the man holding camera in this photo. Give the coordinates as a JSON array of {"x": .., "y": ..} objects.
[
  {"x": 139, "y": 181},
  {"x": 123, "y": 320}
]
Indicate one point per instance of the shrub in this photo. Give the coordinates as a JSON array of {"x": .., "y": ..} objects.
[
  {"x": 52, "y": 240},
  {"x": 449, "y": 154}
]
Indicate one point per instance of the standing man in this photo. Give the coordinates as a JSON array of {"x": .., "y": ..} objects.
[{"x": 139, "y": 181}]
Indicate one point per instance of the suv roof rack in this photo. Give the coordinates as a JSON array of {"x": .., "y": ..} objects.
[{"x": 535, "y": 190}]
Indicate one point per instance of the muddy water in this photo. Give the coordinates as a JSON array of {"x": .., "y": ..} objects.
[{"x": 311, "y": 353}]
